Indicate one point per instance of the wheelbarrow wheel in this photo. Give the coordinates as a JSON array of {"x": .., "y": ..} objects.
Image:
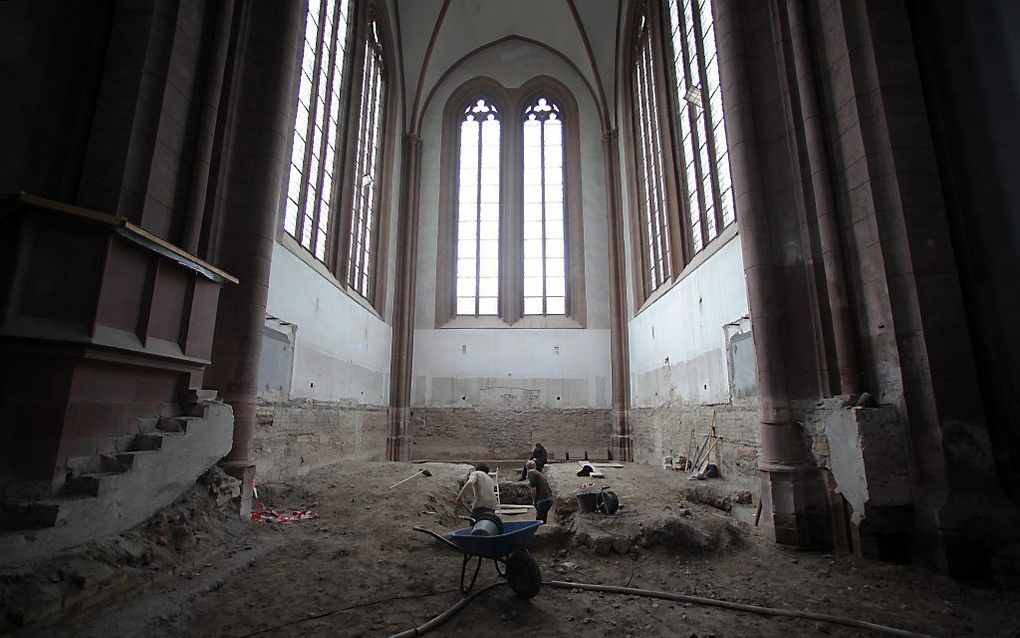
[{"x": 523, "y": 574}]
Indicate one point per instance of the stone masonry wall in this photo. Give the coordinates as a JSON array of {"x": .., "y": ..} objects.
[
  {"x": 667, "y": 427},
  {"x": 492, "y": 433},
  {"x": 293, "y": 438}
]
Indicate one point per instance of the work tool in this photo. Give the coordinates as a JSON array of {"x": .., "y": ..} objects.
[{"x": 421, "y": 472}]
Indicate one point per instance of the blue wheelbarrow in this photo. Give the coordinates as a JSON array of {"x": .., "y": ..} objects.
[{"x": 506, "y": 550}]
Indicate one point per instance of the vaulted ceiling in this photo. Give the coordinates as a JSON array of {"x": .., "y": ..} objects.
[{"x": 437, "y": 35}]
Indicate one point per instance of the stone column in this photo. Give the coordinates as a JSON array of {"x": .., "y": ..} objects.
[
  {"x": 620, "y": 439},
  {"x": 254, "y": 169},
  {"x": 398, "y": 442},
  {"x": 776, "y": 267}
]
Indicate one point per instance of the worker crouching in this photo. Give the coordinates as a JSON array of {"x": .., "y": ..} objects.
[{"x": 541, "y": 492}]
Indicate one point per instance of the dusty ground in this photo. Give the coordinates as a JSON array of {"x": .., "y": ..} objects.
[{"x": 360, "y": 570}]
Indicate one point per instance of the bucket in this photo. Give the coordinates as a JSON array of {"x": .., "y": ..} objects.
[{"x": 587, "y": 502}]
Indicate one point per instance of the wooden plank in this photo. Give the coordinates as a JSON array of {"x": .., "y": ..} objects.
[
  {"x": 111, "y": 220},
  {"x": 183, "y": 254}
]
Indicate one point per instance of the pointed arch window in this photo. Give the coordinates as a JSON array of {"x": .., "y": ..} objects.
[
  {"x": 704, "y": 151},
  {"x": 683, "y": 195},
  {"x": 309, "y": 205},
  {"x": 544, "y": 195},
  {"x": 367, "y": 160},
  {"x": 478, "y": 210},
  {"x": 336, "y": 190},
  {"x": 651, "y": 172}
]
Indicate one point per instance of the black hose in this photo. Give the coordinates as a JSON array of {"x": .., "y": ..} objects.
[
  {"x": 446, "y": 615},
  {"x": 665, "y": 595},
  {"x": 755, "y": 609}
]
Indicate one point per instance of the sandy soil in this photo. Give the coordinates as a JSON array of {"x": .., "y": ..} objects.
[{"x": 360, "y": 570}]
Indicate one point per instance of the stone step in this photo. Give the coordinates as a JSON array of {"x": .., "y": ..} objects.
[
  {"x": 31, "y": 515},
  {"x": 148, "y": 441},
  {"x": 197, "y": 395},
  {"x": 199, "y": 410},
  {"x": 129, "y": 460},
  {"x": 89, "y": 484},
  {"x": 172, "y": 424}
]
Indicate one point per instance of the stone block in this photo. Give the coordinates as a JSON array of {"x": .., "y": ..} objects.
[{"x": 868, "y": 458}]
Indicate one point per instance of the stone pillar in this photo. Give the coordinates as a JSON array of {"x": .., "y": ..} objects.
[
  {"x": 620, "y": 439},
  {"x": 398, "y": 442},
  {"x": 254, "y": 165},
  {"x": 838, "y": 197},
  {"x": 776, "y": 270}
]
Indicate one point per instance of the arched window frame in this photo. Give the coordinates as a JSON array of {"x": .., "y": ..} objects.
[
  {"x": 651, "y": 19},
  {"x": 333, "y": 259},
  {"x": 512, "y": 102}
]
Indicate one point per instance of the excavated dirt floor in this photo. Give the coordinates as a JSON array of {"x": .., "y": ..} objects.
[{"x": 360, "y": 570}]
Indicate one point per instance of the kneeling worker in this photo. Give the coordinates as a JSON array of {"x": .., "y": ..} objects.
[
  {"x": 541, "y": 493},
  {"x": 482, "y": 489}
]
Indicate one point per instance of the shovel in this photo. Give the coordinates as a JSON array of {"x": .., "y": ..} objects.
[{"x": 422, "y": 472}]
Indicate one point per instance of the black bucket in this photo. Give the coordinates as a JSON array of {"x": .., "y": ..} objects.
[{"x": 587, "y": 502}]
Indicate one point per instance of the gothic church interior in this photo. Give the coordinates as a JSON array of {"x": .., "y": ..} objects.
[{"x": 275, "y": 237}]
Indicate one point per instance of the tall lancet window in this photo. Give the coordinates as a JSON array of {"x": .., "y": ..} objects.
[
  {"x": 705, "y": 157},
  {"x": 478, "y": 210},
  {"x": 367, "y": 160},
  {"x": 650, "y": 161},
  {"x": 543, "y": 200},
  {"x": 308, "y": 208}
]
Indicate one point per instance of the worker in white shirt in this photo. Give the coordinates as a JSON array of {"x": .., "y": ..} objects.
[{"x": 482, "y": 492}]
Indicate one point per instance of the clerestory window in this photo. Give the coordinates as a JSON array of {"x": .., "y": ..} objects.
[
  {"x": 309, "y": 205},
  {"x": 683, "y": 197},
  {"x": 335, "y": 188},
  {"x": 367, "y": 158},
  {"x": 703, "y": 148}
]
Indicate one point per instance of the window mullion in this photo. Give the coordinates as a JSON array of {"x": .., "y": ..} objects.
[
  {"x": 651, "y": 181},
  {"x": 310, "y": 149},
  {"x": 707, "y": 111},
  {"x": 644, "y": 194},
  {"x": 542, "y": 180},
  {"x": 695, "y": 132},
  {"x": 478, "y": 227},
  {"x": 660, "y": 171},
  {"x": 366, "y": 168}
]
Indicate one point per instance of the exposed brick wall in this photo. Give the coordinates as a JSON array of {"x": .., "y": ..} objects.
[
  {"x": 293, "y": 438},
  {"x": 492, "y": 433},
  {"x": 656, "y": 431}
]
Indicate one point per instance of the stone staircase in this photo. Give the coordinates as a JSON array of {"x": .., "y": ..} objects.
[{"x": 111, "y": 493}]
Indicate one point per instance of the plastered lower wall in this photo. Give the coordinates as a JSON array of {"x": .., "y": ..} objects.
[
  {"x": 341, "y": 349},
  {"x": 678, "y": 343}
]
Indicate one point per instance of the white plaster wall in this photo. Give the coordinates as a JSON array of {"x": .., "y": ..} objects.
[
  {"x": 678, "y": 342},
  {"x": 341, "y": 349},
  {"x": 528, "y": 356}
]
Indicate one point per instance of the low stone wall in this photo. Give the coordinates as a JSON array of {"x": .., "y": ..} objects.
[
  {"x": 658, "y": 430},
  {"x": 494, "y": 433},
  {"x": 295, "y": 437}
]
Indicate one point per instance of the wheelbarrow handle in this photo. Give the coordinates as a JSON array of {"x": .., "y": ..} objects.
[{"x": 438, "y": 537}]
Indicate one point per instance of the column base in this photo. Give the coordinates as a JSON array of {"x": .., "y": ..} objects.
[
  {"x": 398, "y": 443},
  {"x": 621, "y": 445},
  {"x": 795, "y": 505},
  {"x": 244, "y": 472}
]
